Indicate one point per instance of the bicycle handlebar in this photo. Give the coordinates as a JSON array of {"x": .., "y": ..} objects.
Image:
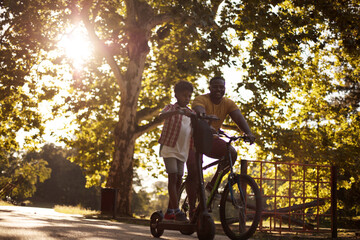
[{"x": 246, "y": 138}]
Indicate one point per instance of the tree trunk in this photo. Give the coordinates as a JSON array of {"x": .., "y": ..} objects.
[{"x": 121, "y": 171}]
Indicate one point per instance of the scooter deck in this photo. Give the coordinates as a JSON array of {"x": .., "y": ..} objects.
[{"x": 176, "y": 225}]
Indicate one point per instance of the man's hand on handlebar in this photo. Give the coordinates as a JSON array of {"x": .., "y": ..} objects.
[{"x": 250, "y": 138}]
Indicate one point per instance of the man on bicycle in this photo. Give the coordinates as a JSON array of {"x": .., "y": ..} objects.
[{"x": 214, "y": 103}]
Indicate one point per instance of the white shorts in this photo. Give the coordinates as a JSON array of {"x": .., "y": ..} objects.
[{"x": 174, "y": 165}]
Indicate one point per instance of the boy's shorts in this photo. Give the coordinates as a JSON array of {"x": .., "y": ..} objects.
[{"x": 174, "y": 165}]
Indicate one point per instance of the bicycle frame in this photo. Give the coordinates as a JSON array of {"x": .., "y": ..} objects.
[
  {"x": 223, "y": 172},
  {"x": 240, "y": 204}
]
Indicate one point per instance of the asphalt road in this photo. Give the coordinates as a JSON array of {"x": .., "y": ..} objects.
[{"x": 20, "y": 223}]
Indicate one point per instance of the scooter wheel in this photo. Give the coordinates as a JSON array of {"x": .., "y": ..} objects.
[
  {"x": 205, "y": 227},
  {"x": 155, "y": 218}
]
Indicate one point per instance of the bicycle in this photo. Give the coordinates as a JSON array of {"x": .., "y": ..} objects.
[{"x": 241, "y": 201}]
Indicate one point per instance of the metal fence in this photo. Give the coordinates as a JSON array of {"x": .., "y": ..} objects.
[{"x": 297, "y": 198}]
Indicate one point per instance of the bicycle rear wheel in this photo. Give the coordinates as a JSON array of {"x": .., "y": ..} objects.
[{"x": 240, "y": 214}]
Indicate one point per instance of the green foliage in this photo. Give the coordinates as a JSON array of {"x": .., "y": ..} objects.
[
  {"x": 27, "y": 32},
  {"x": 146, "y": 202},
  {"x": 66, "y": 186},
  {"x": 304, "y": 78},
  {"x": 24, "y": 172},
  {"x": 140, "y": 204},
  {"x": 94, "y": 146}
]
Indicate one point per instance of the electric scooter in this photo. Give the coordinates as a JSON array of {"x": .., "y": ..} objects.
[{"x": 201, "y": 223}]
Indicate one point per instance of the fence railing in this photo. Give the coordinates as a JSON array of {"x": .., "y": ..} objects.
[{"x": 296, "y": 197}]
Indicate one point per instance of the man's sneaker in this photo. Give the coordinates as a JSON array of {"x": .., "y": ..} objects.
[
  {"x": 169, "y": 216},
  {"x": 181, "y": 217}
]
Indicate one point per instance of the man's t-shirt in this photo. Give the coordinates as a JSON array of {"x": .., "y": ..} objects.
[{"x": 221, "y": 110}]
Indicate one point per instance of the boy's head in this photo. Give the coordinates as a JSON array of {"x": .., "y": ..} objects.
[
  {"x": 182, "y": 86},
  {"x": 183, "y": 91}
]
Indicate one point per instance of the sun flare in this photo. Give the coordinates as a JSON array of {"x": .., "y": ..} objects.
[{"x": 76, "y": 46}]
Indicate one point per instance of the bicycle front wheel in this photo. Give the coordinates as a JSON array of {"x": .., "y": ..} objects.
[{"x": 240, "y": 207}]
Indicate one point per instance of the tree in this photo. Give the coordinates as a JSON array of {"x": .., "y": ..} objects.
[
  {"x": 24, "y": 43},
  {"x": 24, "y": 34},
  {"x": 67, "y": 182},
  {"x": 22, "y": 173}
]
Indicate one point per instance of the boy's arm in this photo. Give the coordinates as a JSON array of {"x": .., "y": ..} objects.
[{"x": 167, "y": 114}]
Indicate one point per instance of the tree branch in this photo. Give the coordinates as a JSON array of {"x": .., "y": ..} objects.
[
  {"x": 147, "y": 113},
  {"x": 215, "y": 5},
  {"x": 130, "y": 9},
  {"x": 100, "y": 47},
  {"x": 140, "y": 130},
  {"x": 169, "y": 17},
  {"x": 160, "y": 19}
]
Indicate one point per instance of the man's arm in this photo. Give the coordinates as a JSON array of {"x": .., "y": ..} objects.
[{"x": 240, "y": 121}]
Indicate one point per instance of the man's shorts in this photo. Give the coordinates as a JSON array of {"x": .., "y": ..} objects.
[
  {"x": 218, "y": 151},
  {"x": 173, "y": 165}
]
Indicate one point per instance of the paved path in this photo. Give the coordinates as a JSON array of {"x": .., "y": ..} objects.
[{"x": 28, "y": 223}]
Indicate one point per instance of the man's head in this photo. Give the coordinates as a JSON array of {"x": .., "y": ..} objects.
[
  {"x": 217, "y": 89},
  {"x": 183, "y": 91}
]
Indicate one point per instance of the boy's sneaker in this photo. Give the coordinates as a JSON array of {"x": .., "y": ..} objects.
[
  {"x": 169, "y": 216},
  {"x": 181, "y": 217}
]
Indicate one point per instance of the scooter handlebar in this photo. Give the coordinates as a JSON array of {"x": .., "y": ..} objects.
[{"x": 204, "y": 116}]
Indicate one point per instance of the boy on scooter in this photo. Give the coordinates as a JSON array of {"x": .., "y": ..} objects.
[{"x": 175, "y": 145}]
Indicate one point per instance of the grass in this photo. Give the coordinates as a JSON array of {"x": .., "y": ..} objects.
[
  {"x": 75, "y": 210},
  {"x": 64, "y": 209},
  {"x": 3, "y": 203}
]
